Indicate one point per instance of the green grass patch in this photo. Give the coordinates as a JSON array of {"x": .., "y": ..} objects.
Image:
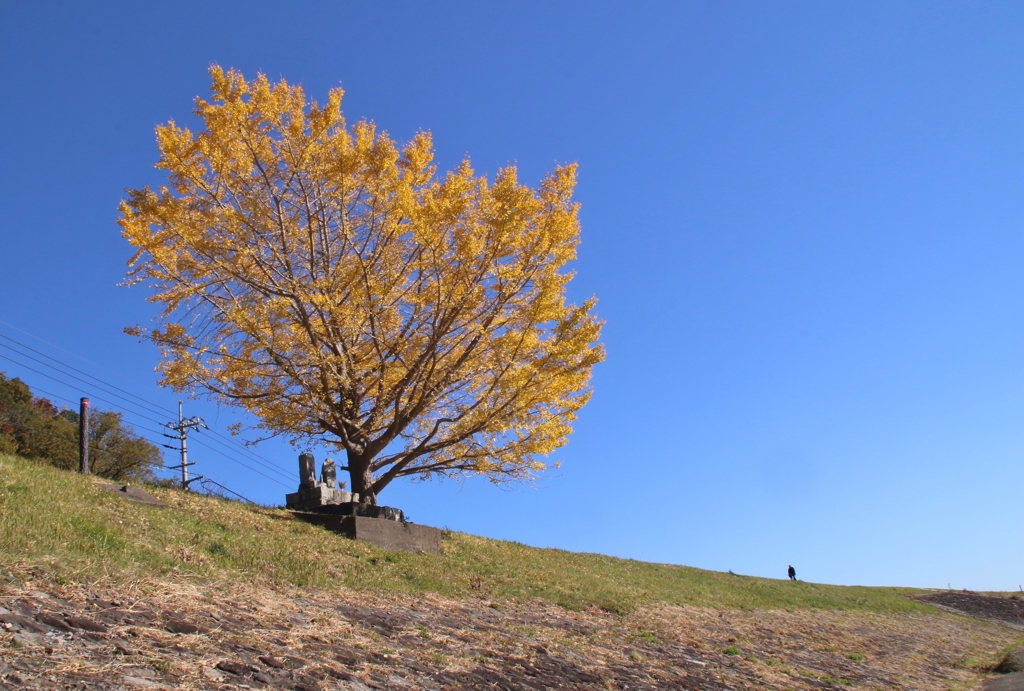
[
  {"x": 61, "y": 525},
  {"x": 1012, "y": 659}
]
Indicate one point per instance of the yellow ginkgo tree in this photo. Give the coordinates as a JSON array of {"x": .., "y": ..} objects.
[{"x": 332, "y": 284}]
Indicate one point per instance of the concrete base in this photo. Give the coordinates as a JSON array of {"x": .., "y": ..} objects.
[
  {"x": 384, "y": 533},
  {"x": 354, "y": 508},
  {"x": 319, "y": 494}
]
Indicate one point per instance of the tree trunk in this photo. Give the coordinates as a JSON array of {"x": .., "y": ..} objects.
[{"x": 362, "y": 478}]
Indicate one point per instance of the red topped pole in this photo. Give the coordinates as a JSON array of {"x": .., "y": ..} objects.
[{"x": 83, "y": 436}]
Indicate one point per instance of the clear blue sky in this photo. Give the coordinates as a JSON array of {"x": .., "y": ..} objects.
[{"x": 803, "y": 222}]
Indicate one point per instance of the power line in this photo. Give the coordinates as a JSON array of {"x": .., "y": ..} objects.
[
  {"x": 56, "y": 347},
  {"x": 245, "y": 447},
  {"x": 129, "y": 433},
  {"x": 202, "y": 479},
  {"x": 73, "y": 403},
  {"x": 183, "y": 427},
  {"x": 61, "y": 381},
  {"x": 216, "y": 451},
  {"x": 272, "y": 468},
  {"x": 53, "y": 395},
  {"x": 36, "y": 389},
  {"x": 64, "y": 364},
  {"x": 147, "y": 404},
  {"x": 244, "y": 465},
  {"x": 135, "y": 425}
]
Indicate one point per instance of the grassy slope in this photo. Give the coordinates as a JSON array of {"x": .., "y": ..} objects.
[{"x": 61, "y": 525}]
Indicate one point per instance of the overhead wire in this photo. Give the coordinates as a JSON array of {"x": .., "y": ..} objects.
[
  {"x": 50, "y": 394},
  {"x": 147, "y": 404},
  {"x": 56, "y": 347},
  {"x": 120, "y": 409},
  {"x": 204, "y": 480},
  {"x": 245, "y": 447},
  {"x": 164, "y": 433},
  {"x": 272, "y": 468},
  {"x": 235, "y": 460},
  {"x": 201, "y": 479},
  {"x": 71, "y": 367},
  {"x": 73, "y": 386}
]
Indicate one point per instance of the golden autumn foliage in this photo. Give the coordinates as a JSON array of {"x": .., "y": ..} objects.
[{"x": 334, "y": 286}]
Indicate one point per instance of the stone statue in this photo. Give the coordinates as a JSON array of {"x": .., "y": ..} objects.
[
  {"x": 307, "y": 470},
  {"x": 329, "y": 474}
]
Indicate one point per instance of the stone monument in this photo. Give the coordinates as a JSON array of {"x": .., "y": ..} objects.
[
  {"x": 324, "y": 503},
  {"x": 312, "y": 494},
  {"x": 326, "y": 496}
]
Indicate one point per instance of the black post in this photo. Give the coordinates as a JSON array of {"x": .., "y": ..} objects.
[{"x": 83, "y": 436}]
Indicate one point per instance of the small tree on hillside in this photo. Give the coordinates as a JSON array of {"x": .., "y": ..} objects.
[{"x": 333, "y": 286}]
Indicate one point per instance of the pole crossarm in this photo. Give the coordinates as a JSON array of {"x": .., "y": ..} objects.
[{"x": 183, "y": 426}]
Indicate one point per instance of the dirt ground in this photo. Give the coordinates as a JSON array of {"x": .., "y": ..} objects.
[{"x": 159, "y": 635}]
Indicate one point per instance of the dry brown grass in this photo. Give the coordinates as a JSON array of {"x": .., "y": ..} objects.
[{"x": 346, "y": 639}]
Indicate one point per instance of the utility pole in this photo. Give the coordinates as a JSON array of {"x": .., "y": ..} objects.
[
  {"x": 83, "y": 436},
  {"x": 182, "y": 428}
]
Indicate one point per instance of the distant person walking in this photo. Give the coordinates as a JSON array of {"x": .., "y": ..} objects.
[{"x": 792, "y": 573}]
